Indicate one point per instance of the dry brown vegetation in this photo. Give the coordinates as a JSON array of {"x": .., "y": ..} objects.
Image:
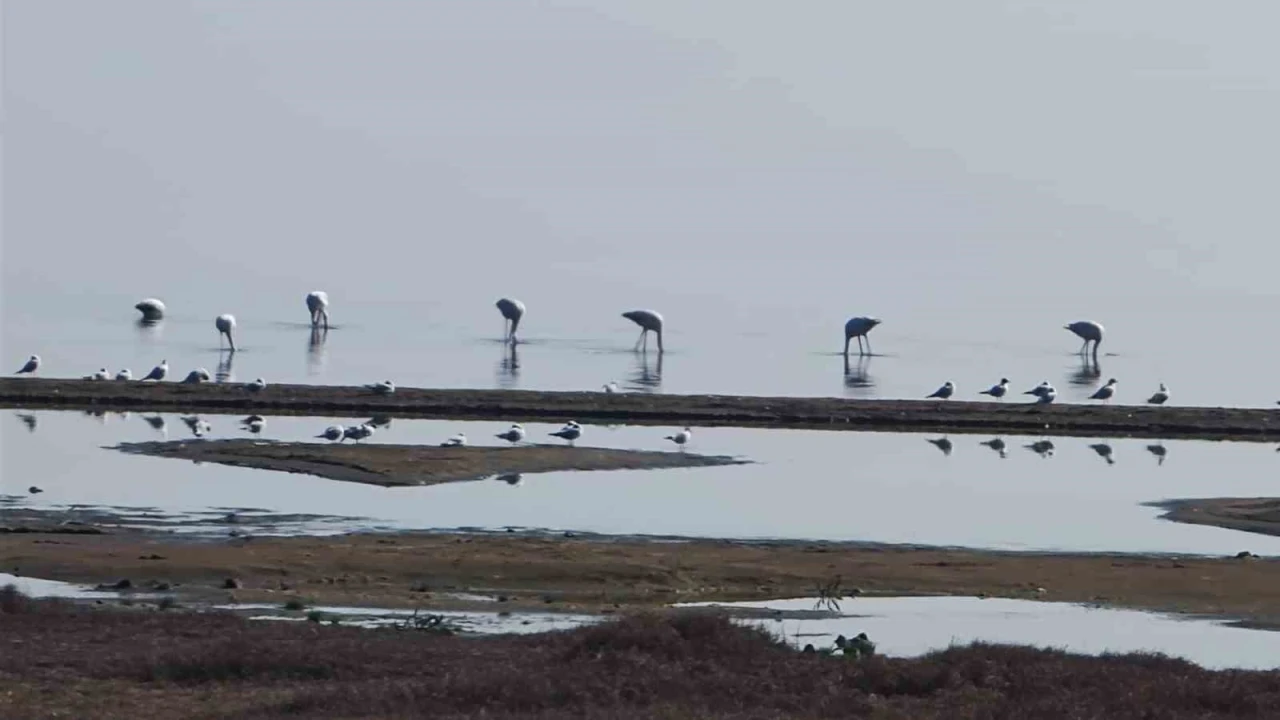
[{"x": 60, "y": 660}]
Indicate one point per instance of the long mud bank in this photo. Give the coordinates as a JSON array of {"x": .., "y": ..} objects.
[
  {"x": 636, "y": 408},
  {"x": 1256, "y": 515}
]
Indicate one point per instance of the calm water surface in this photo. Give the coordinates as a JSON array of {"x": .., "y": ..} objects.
[{"x": 881, "y": 487}]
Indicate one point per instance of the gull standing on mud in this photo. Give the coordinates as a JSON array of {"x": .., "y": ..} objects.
[
  {"x": 681, "y": 438},
  {"x": 358, "y": 432},
  {"x": 197, "y": 376},
  {"x": 386, "y": 387},
  {"x": 102, "y": 374},
  {"x": 947, "y": 390},
  {"x": 512, "y": 310},
  {"x": 858, "y": 327},
  {"x": 333, "y": 433},
  {"x": 158, "y": 372},
  {"x": 513, "y": 435},
  {"x": 997, "y": 391},
  {"x": 610, "y": 387},
  {"x": 649, "y": 321},
  {"x": 1160, "y": 396},
  {"x": 459, "y": 440},
  {"x": 257, "y": 385},
  {"x": 318, "y": 306},
  {"x": 1106, "y": 392},
  {"x": 571, "y": 431},
  {"x": 33, "y": 364},
  {"x": 226, "y": 324},
  {"x": 1044, "y": 393},
  {"x": 152, "y": 309},
  {"x": 1090, "y": 332},
  {"x": 124, "y": 374}
]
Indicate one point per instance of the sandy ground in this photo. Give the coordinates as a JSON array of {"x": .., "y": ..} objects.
[
  {"x": 607, "y": 574},
  {"x": 638, "y": 408},
  {"x": 396, "y": 465}
]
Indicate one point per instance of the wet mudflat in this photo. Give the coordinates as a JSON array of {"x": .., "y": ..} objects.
[
  {"x": 1257, "y": 515},
  {"x": 402, "y": 465}
]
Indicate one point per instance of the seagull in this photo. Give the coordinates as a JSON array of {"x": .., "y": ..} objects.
[
  {"x": 318, "y": 305},
  {"x": 459, "y": 440},
  {"x": 102, "y": 374},
  {"x": 34, "y": 490},
  {"x": 611, "y": 387},
  {"x": 386, "y": 387},
  {"x": 571, "y": 431},
  {"x": 942, "y": 443},
  {"x": 858, "y": 327},
  {"x": 158, "y": 372},
  {"x": 649, "y": 321},
  {"x": 513, "y": 435},
  {"x": 997, "y": 391},
  {"x": 1044, "y": 392},
  {"x": 1159, "y": 451},
  {"x": 254, "y": 423},
  {"x": 33, "y": 363},
  {"x": 1104, "y": 452},
  {"x": 151, "y": 309},
  {"x": 256, "y": 386},
  {"x": 943, "y": 392},
  {"x": 681, "y": 438},
  {"x": 996, "y": 444},
  {"x": 333, "y": 432},
  {"x": 512, "y": 310},
  {"x": 197, "y": 376},
  {"x": 124, "y": 374},
  {"x": 1090, "y": 332},
  {"x": 225, "y": 324},
  {"x": 358, "y": 432},
  {"x": 1105, "y": 392},
  {"x": 1160, "y": 396}
]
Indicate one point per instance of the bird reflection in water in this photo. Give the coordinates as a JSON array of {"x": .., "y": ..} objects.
[
  {"x": 316, "y": 350},
  {"x": 1160, "y": 451},
  {"x": 512, "y": 479},
  {"x": 997, "y": 444},
  {"x": 1087, "y": 373},
  {"x": 1043, "y": 448},
  {"x": 157, "y": 423},
  {"x": 647, "y": 376},
  {"x": 508, "y": 371},
  {"x": 942, "y": 443},
  {"x": 856, "y": 376},
  {"x": 29, "y": 420},
  {"x": 1104, "y": 452},
  {"x": 380, "y": 421},
  {"x": 223, "y": 373}
]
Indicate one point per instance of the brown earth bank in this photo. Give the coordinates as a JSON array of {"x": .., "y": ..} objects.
[
  {"x": 61, "y": 660},
  {"x": 640, "y": 408},
  {"x": 594, "y": 574},
  {"x": 399, "y": 465},
  {"x": 1259, "y": 515}
]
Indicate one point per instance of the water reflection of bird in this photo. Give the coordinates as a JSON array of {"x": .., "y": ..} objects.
[
  {"x": 1043, "y": 448},
  {"x": 380, "y": 421},
  {"x": 942, "y": 443},
  {"x": 1159, "y": 451},
  {"x": 1087, "y": 373},
  {"x": 254, "y": 423},
  {"x": 646, "y": 377},
  {"x": 316, "y": 351},
  {"x": 859, "y": 327},
  {"x": 29, "y": 420},
  {"x": 198, "y": 426},
  {"x": 857, "y": 377},
  {"x": 508, "y": 373},
  {"x": 223, "y": 372},
  {"x": 996, "y": 444},
  {"x": 512, "y": 479},
  {"x": 1104, "y": 452}
]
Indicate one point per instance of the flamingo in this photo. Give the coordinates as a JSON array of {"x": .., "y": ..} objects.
[
  {"x": 124, "y": 374},
  {"x": 158, "y": 372},
  {"x": 571, "y": 431},
  {"x": 151, "y": 309},
  {"x": 225, "y": 324},
  {"x": 1090, "y": 332},
  {"x": 681, "y": 438},
  {"x": 997, "y": 391},
  {"x": 513, "y": 435},
  {"x": 948, "y": 388},
  {"x": 459, "y": 440},
  {"x": 318, "y": 306},
  {"x": 858, "y": 327},
  {"x": 512, "y": 310},
  {"x": 1160, "y": 397},
  {"x": 1106, "y": 392},
  {"x": 649, "y": 321},
  {"x": 33, "y": 364}
]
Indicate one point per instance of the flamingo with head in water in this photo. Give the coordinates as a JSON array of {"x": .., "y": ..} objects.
[
  {"x": 649, "y": 321},
  {"x": 226, "y": 324},
  {"x": 318, "y": 306},
  {"x": 1090, "y": 332},
  {"x": 858, "y": 327},
  {"x": 152, "y": 309},
  {"x": 512, "y": 310}
]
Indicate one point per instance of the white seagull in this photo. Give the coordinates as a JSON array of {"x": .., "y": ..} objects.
[
  {"x": 33, "y": 364},
  {"x": 681, "y": 438},
  {"x": 333, "y": 432},
  {"x": 1160, "y": 397},
  {"x": 513, "y": 435},
  {"x": 997, "y": 391},
  {"x": 858, "y": 327},
  {"x": 1106, "y": 392},
  {"x": 124, "y": 374},
  {"x": 158, "y": 372},
  {"x": 386, "y": 387},
  {"x": 318, "y": 306},
  {"x": 151, "y": 309},
  {"x": 512, "y": 310},
  {"x": 571, "y": 431},
  {"x": 226, "y": 324},
  {"x": 102, "y": 374},
  {"x": 257, "y": 385},
  {"x": 197, "y": 376},
  {"x": 611, "y": 387},
  {"x": 459, "y": 440},
  {"x": 649, "y": 321},
  {"x": 1090, "y": 332},
  {"x": 947, "y": 390},
  {"x": 1044, "y": 392},
  {"x": 358, "y": 432}
]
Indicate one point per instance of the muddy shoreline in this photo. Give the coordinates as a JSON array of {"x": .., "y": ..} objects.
[
  {"x": 1256, "y": 515},
  {"x": 403, "y": 465},
  {"x": 600, "y": 574},
  {"x": 638, "y": 408}
]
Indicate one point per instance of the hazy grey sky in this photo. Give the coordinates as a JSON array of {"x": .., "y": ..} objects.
[{"x": 805, "y": 159}]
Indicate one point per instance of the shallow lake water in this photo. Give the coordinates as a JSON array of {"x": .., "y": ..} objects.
[{"x": 873, "y": 487}]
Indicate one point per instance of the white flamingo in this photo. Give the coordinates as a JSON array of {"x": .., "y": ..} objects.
[
  {"x": 512, "y": 310},
  {"x": 459, "y": 440},
  {"x": 33, "y": 364},
  {"x": 858, "y": 327},
  {"x": 1106, "y": 392},
  {"x": 681, "y": 438},
  {"x": 649, "y": 321},
  {"x": 1090, "y": 332},
  {"x": 571, "y": 431},
  {"x": 1160, "y": 396},
  {"x": 947, "y": 390},
  {"x": 226, "y": 323},
  {"x": 513, "y": 434},
  {"x": 158, "y": 372},
  {"x": 318, "y": 306},
  {"x": 151, "y": 309},
  {"x": 997, "y": 391}
]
